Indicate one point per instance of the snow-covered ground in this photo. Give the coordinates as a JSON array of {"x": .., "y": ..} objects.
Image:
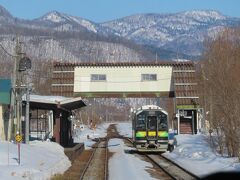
[
  {"x": 194, "y": 154},
  {"x": 125, "y": 129},
  {"x": 126, "y": 166},
  {"x": 85, "y": 135},
  {"x": 38, "y": 160}
]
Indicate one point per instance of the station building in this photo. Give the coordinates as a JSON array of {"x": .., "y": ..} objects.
[{"x": 174, "y": 80}]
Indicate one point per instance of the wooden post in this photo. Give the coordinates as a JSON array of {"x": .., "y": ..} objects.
[{"x": 57, "y": 127}]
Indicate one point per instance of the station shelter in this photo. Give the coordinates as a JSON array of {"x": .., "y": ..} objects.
[{"x": 50, "y": 118}]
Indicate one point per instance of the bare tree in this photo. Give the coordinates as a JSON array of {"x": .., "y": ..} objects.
[{"x": 221, "y": 92}]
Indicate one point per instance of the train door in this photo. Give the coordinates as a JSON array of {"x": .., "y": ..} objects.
[{"x": 152, "y": 126}]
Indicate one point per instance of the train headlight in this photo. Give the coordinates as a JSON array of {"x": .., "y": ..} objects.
[
  {"x": 162, "y": 134},
  {"x": 141, "y": 134}
]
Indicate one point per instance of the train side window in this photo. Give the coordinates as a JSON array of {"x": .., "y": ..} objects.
[
  {"x": 162, "y": 123},
  {"x": 140, "y": 122}
]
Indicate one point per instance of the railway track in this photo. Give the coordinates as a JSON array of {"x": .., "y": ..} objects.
[
  {"x": 173, "y": 170},
  {"x": 93, "y": 164},
  {"x": 90, "y": 164},
  {"x": 170, "y": 168},
  {"x": 97, "y": 165}
]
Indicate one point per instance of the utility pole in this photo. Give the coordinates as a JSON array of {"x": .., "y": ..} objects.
[
  {"x": 14, "y": 106},
  {"x": 15, "y": 122},
  {"x": 21, "y": 63}
]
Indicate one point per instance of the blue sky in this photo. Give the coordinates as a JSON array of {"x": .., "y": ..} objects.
[{"x": 105, "y": 10}]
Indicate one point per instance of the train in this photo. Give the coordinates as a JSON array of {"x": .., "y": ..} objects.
[{"x": 150, "y": 130}]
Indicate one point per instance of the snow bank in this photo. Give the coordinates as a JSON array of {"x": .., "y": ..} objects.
[
  {"x": 193, "y": 153},
  {"x": 39, "y": 160}
]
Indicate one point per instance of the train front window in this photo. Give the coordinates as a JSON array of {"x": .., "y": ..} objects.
[
  {"x": 152, "y": 122},
  {"x": 162, "y": 123},
  {"x": 140, "y": 124}
]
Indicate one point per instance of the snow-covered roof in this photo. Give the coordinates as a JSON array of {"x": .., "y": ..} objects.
[
  {"x": 68, "y": 103},
  {"x": 46, "y": 99}
]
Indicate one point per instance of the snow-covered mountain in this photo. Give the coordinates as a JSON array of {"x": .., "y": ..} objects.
[
  {"x": 182, "y": 32},
  {"x": 63, "y": 22},
  {"x": 5, "y": 16},
  {"x": 55, "y": 21},
  {"x": 64, "y": 37},
  {"x": 168, "y": 35}
]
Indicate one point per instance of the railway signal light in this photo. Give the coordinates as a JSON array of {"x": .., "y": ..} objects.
[{"x": 24, "y": 64}]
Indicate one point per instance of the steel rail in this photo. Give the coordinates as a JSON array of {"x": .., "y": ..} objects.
[
  {"x": 185, "y": 170},
  {"x": 154, "y": 162},
  {"x": 89, "y": 161},
  {"x": 106, "y": 160},
  {"x": 163, "y": 169},
  {"x": 91, "y": 158},
  {"x": 194, "y": 176}
]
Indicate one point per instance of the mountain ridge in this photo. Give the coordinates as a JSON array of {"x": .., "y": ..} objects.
[
  {"x": 182, "y": 32},
  {"x": 167, "y": 30}
]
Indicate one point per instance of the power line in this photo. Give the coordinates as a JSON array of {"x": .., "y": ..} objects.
[{"x": 6, "y": 51}]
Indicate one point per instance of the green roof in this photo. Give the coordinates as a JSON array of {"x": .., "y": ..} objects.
[
  {"x": 5, "y": 85},
  {"x": 4, "y": 98},
  {"x": 187, "y": 106}
]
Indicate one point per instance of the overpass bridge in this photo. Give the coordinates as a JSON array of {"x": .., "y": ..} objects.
[{"x": 173, "y": 80}]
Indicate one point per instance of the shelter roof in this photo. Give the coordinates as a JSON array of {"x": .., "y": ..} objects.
[{"x": 53, "y": 102}]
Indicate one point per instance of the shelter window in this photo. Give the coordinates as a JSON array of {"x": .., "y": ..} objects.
[
  {"x": 98, "y": 77},
  {"x": 149, "y": 77}
]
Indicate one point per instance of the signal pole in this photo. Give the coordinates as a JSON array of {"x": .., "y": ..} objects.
[
  {"x": 18, "y": 88},
  {"x": 27, "y": 114}
]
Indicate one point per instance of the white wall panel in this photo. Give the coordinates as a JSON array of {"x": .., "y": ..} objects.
[{"x": 123, "y": 79}]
